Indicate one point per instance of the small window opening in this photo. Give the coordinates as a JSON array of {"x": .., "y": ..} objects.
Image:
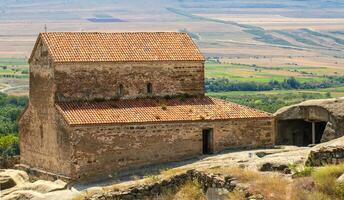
[
  {"x": 121, "y": 90},
  {"x": 149, "y": 88}
]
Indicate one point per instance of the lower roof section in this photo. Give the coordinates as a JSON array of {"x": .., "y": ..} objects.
[{"x": 154, "y": 110}]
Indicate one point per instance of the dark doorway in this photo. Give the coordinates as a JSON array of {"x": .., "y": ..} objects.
[
  {"x": 319, "y": 130},
  {"x": 299, "y": 132},
  {"x": 207, "y": 135}
]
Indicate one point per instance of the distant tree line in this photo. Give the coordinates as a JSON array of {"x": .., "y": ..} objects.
[
  {"x": 271, "y": 102},
  {"x": 225, "y": 84}
]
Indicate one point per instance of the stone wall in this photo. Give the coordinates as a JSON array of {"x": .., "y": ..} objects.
[
  {"x": 326, "y": 156},
  {"x": 75, "y": 81},
  {"x": 150, "y": 191},
  {"x": 43, "y": 144},
  {"x": 102, "y": 150}
]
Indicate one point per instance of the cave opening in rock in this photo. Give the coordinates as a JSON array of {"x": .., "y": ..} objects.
[{"x": 300, "y": 132}]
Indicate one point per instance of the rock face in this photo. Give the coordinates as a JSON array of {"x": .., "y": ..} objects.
[
  {"x": 329, "y": 133},
  {"x": 15, "y": 185},
  {"x": 10, "y": 178},
  {"x": 341, "y": 179},
  {"x": 6, "y": 182},
  {"x": 331, "y": 152},
  {"x": 294, "y": 123}
]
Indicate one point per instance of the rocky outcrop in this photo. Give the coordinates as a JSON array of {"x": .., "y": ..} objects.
[
  {"x": 326, "y": 156},
  {"x": 310, "y": 110},
  {"x": 6, "y": 182},
  {"x": 329, "y": 133},
  {"x": 15, "y": 185},
  {"x": 329, "y": 111},
  {"x": 275, "y": 167},
  {"x": 331, "y": 152},
  {"x": 11, "y": 178},
  {"x": 340, "y": 179}
]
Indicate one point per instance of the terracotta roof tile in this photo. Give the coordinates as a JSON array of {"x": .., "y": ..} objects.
[
  {"x": 154, "y": 110},
  {"x": 125, "y": 46}
]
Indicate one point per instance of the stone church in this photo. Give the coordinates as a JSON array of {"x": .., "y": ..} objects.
[{"x": 103, "y": 103}]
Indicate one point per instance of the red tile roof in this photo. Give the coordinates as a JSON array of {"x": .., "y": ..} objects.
[
  {"x": 154, "y": 110},
  {"x": 126, "y": 46}
]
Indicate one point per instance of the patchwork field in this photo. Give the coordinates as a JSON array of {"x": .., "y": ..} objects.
[
  {"x": 244, "y": 41},
  {"x": 256, "y": 73}
]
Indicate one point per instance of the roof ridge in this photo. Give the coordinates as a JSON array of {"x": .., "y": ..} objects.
[
  {"x": 132, "y": 46},
  {"x": 104, "y": 32}
]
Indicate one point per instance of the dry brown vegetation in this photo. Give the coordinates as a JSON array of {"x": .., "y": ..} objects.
[
  {"x": 272, "y": 187},
  {"x": 190, "y": 190},
  {"x": 316, "y": 183},
  {"x": 322, "y": 184}
]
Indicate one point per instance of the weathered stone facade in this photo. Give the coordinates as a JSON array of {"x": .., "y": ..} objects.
[
  {"x": 75, "y": 81},
  {"x": 48, "y": 142},
  {"x": 141, "y": 144}
]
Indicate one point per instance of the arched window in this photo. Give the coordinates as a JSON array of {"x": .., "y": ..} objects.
[
  {"x": 120, "y": 90},
  {"x": 149, "y": 89}
]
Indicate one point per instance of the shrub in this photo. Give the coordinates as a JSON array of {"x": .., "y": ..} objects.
[
  {"x": 325, "y": 178},
  {"x": 300, "y": 170},
  {"x": 339, "y": 187},
  {"x": 9, "y": 145}
]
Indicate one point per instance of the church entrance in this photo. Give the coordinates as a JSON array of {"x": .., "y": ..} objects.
[{"x": 207, "y": 135}]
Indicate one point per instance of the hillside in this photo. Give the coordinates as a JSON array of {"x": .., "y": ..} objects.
[
  {"x": 264, "y": 32},
  {"x": 245, "y": 41}
]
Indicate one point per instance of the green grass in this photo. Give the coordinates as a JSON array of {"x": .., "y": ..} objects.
[
  {"x": 270, "y": 101},
  {"x": 13, "y": 61},
  {"x": 240, "y": 72},
  {"x": 14, "y": 68}
]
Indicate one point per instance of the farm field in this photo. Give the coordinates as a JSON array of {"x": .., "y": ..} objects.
[
  {"x": 254, "y": 41},
  {"x": 16, "y": 81},
  {"x": 256, "y": 73},
  {"x": 248, "y": 32},
  {"x": 271, "y": 101}
]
